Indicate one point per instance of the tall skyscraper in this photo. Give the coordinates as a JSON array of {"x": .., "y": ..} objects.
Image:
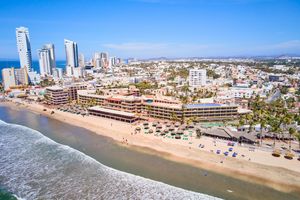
[
  {"x": 24, "y": 48},
  {"x": 45, "y": 62},
  {"x": 97, "y": 60},
  {"x": 8, "y": 78},
  {"x": 71, "y": 53},
  {"x": 51, "y": 49},
  {"x": 81, "y": 60}
]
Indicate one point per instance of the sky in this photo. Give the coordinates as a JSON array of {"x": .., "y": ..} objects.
[{"x": 154, "y": 28}]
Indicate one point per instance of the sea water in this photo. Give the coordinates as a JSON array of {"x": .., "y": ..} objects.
[{"x": 33, "y": 166}]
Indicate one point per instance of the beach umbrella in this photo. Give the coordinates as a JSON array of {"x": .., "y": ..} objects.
[
  {"x": 177, "y": 137},
  {"x": 150, "y": 131},
  {"x": 289, "y": 155},
  {"x": 145, "y": 123},
  {"x": 191, "y": 126},
  {"x": 276, "y": 153},
  {"x": 159, "y": 126}
]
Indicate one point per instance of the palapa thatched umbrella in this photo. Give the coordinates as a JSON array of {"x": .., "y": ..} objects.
[
  {"x": 159, "y": 126},
  {"x": 177, "y": 137},
  {"x": 289, "y": 155},
  {"x": 276, "y": 153},
  {"x": 145, "y": 123}
]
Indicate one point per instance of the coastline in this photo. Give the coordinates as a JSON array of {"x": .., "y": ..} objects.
[{"x": 283, "y": 179}]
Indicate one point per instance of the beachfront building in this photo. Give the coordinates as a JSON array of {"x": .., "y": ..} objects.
[
  {"x": 21, "y": 76},
  {"x": 55, "y": 95},
  {"x": 158, "y": 108},
  {"x": 226, "y": 134},
  {"x": 203, "y": 112},
  {"x": 71, "y": 56},
  {"x": 72, "y": 90},
  {"x": 44, "y": 62},
  {"x": 47, "y": 59},
  {"x": 8, "y": 78},
  {"x": 125, "y": 103},
  {"x": 113, "y": 114},
  {"x": 197, "y": 77},
  {"x": 24, "y": 48}
]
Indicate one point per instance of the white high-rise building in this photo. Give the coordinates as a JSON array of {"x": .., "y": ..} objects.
[
  {"x": 81, "y": 60},
  {"x": 71, "y": 53},
  {"x": 112, "y": 61},
  {"x": 8, "y": 78},
  {"x": 45, "y": 62},
  {"x": 24, "y": 48},
  {"x": 197, "y": 77},
  {"x": 97, "y": 60},
  {"x": 51, "y": 49}
]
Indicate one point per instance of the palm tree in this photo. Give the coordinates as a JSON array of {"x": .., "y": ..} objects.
[
  {"x": 262, "y": 118},
  {"x": 275, "y": 128},
  {"x": 292, "y": 131},
  {"x": 174, "y": 117},
  {"x": 298, "y": 137},
  {"x": 241, "y": 122}
]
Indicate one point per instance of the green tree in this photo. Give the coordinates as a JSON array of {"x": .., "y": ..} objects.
[{"x": 292, "y": 132}]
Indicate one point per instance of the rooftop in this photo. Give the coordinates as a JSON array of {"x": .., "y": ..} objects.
[
  {"x": 111, "y": 111},
  {"x": 203, "y": 105},
  {"x": 54, "y": 88}
]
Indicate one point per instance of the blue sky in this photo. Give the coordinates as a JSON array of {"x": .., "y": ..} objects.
[{"x": 155, "y": 28}]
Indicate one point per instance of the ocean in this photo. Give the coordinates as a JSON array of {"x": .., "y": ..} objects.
[
  {"x": 35, "y": 167},
  {"x": 42, "y": 158},
  {"x": 35, "y": 65}
]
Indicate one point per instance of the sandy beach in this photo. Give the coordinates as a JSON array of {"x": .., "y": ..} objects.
[{"x": 255, "y": 166}]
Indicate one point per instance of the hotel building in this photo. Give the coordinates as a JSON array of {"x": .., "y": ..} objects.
[
  {"x": 157, "y": 108},
  {"x": 56, "y": 95},
  {"x": 24, "y": 48},
  {"x": 8, "y": 78}
]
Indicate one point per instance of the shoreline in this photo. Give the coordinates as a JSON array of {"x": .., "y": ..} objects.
[{"x": 279, "y": 178}]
